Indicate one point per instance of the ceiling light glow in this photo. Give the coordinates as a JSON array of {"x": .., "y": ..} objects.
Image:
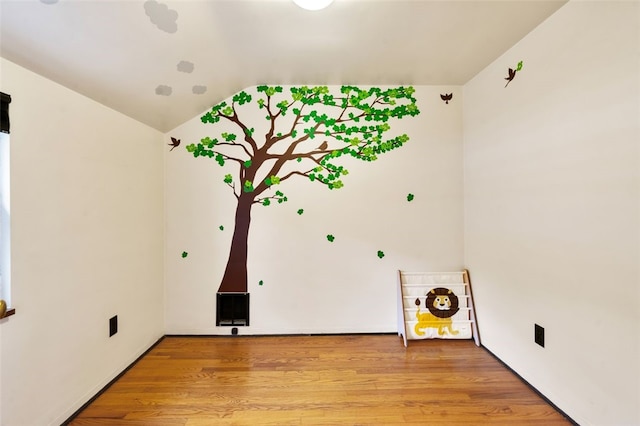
[{"x": 313, "y": 4}]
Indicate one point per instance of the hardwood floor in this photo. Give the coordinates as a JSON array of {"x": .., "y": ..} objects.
[{"x": 318, "y": 380}]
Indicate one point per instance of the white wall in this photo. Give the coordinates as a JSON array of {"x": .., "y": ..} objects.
[
  {"x": 310, "y": 284},
  {"x": 552, "y": 209},
  {"x": 87, "y": 244}
]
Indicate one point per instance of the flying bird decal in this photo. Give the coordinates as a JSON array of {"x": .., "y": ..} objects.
[
  {"x": 511, "y": 76},
  {"x": 446, "y": 97},
  {"x": 174, "y": 143},
  {"x": 512, "y": 73}
]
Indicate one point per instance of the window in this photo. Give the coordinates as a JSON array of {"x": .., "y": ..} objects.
[
  {"x": 5, "y": 254},
  {"x": 5, "y": 247}
]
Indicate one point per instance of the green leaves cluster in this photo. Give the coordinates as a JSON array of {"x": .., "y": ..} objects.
[
  {"x": 228, "y": 137},
  {"x": 269, "y": 90},
  {"x": 272, "y": 180},
  {"x": 241, "y": 98},
  {"x": 389, "y": 105},
  {"x": 205, "y": 148},
  {"x": 356, "y": 120},
  {"x": 333, "y": 172},
  {"x": 279, "y": 197}
]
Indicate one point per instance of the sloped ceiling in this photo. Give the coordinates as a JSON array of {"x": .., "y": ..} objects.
[{"x": 164, "y": 62}]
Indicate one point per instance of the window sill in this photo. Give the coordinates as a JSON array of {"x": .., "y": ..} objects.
[{"x": 9, "y": 312}]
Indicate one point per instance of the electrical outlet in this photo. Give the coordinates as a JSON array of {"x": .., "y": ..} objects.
[
  {"x": 113, "y": 325},
  {"x": 539, "y": 335}
]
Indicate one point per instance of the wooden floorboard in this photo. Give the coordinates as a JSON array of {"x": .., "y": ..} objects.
[{"x": 318, "y": 380}]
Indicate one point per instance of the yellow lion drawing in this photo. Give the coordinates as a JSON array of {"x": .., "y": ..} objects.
[{"x": 442, "y": 304}]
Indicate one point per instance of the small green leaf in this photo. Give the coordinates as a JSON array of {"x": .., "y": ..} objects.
[
  {"x": 247, "y": 163},
  {"x": 260, "y": 282},
  {"x": 266, "y": 202},
  {"x": 221, "y": 228},
  {"x": 330, "y": 238},
  {"x": 410, "y": 197},
  {"x": 300, "y": 211},
  {"x": 184, "y": 254},
  {"x": 229, "y": 137},
  {"x": 228, "y": 178},
  {"x": 380, "y": 254},
  {"x": 519, "y": 67}
]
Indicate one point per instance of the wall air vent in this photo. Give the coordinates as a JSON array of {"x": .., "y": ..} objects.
[{"x": 232, "y": 309}]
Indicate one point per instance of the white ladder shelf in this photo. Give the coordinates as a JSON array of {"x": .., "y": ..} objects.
[{"x": 436, "y": 305}]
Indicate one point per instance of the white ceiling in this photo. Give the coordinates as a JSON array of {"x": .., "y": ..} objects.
[{"x": 198, "y": 52}]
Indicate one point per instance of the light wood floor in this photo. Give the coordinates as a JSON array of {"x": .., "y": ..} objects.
[{"x": 318, "y": 380}]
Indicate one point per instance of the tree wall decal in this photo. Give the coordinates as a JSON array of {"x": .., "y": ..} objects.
[{"x": 309, "y": 132}]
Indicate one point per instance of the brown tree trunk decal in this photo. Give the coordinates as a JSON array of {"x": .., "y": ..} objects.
[{"x": 235, "y": 274}]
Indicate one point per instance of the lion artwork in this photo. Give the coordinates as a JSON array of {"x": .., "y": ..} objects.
[{"x": 442, "y": 304}]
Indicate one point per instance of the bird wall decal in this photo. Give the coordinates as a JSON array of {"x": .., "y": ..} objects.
[
  {"x": 174, "y": 143},
  {"x": 446, "y": 97},
  {"x": 512, "y": 73},
  {"x": 510, "y": 77}
]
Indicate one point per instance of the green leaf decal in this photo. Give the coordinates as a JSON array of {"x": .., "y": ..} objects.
[
  {"x": 300, "y": 211},
  {"x": 380, "y": 254},
  {"x": 184, "y": 254},
  {"x": 331, "y": 238},
  {"x": 410, "y": 197}
]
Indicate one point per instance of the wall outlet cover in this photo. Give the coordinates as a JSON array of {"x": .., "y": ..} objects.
[
  {"x": 539, "y": 335},
  {"x": 113, "y": 325}
]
